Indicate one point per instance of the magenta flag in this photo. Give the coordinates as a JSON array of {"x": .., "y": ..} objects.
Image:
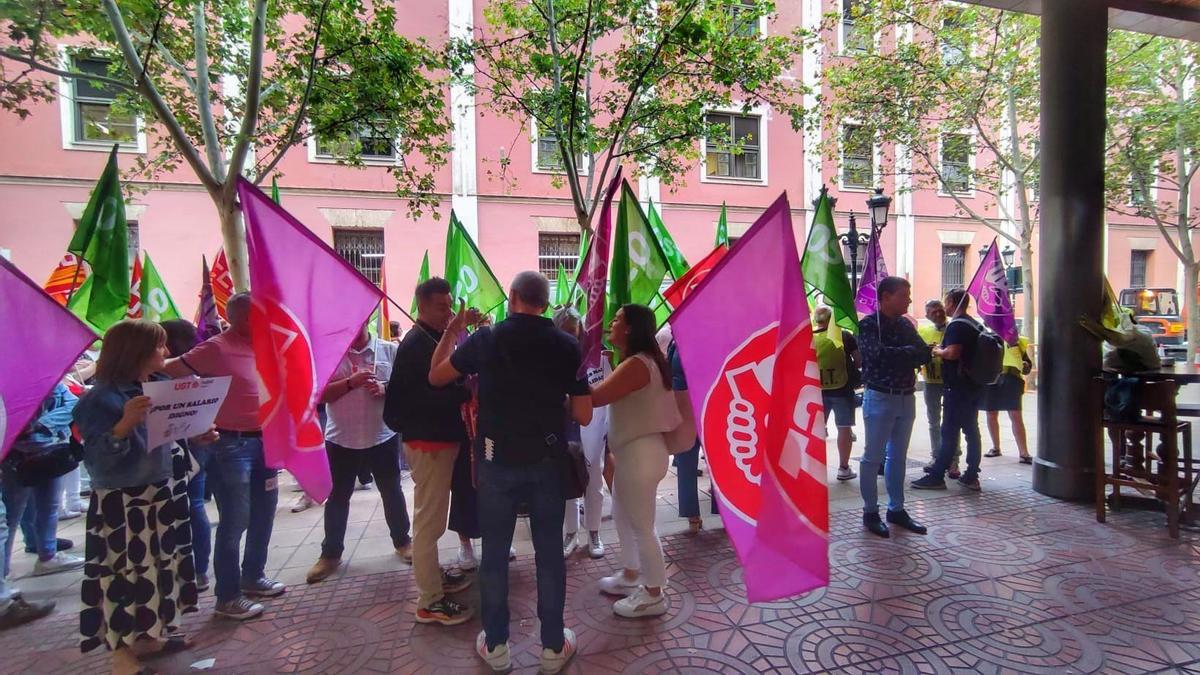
[
  {"x": 756, "y": 389},
  {"x": 593, "y": 280},
  {"x": 41, "y": 342},
  {"x": 867, "y": 300},
  {"x": 308, "y": 304},
  {"x": 207, "y": 322},
  {"x": 990, "y": 290}
]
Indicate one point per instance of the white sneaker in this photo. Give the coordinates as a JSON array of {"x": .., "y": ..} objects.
[
  {"x": 512, "y": 553},
  {"x": 364, "y": 486},
  {"x": 304, "y": 503},
  {"x": 617, "y": 584},
  {"x": 595, "y": 546},
  {"x": 498, "y": 657},
  {"x": 570, "y": 544},
  {"x": 552, "y": 661},
  {"x": 61, "y": 562},
  {"x": 68, "y": 514},
  {"x": 640, "y": 604},
  {"x": 846, "y": 473},
  {"x": 466, "y": 558}
]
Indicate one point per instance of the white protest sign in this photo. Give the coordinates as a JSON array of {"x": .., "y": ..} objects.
[{"x": 182, "y": 408}]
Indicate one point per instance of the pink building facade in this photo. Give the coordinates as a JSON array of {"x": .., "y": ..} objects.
[{"x": 51, "y": 161}]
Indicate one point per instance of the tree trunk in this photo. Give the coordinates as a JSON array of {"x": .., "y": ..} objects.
[
  {"x": 1191, "y": 275},
  {"x": 233, "y": 235},
  {"x": 1028, "y": 328}
]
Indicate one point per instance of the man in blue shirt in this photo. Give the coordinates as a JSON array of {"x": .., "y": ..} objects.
[{"x": 891, "y": 352}]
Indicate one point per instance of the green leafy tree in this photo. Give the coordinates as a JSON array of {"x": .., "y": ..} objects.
[
  {"x": 629, "y": 81},
  {"x": 948, "y": 82},
  {"x": 1153, "y": 135},
  {"x": 231, "y": 86}
]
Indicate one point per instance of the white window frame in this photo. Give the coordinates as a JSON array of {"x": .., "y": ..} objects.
[
  {"x": 876, "y": 159},
  {"x": 582, "y": 169},
  {"x": 970, "y": 191},
  {"x": 66, "y": 107},
  {"x": 1153, "y": 190},
  {"x": 841, "y": 32},
  {"x": 762, "y": 22},
  {"x": 971, "y": 49},
  {"x": 762, "y": 112},
  {"x": 316, "y": 157}
]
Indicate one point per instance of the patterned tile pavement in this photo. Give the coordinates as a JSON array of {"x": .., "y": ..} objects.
[{"x": 1007, "y": 581}]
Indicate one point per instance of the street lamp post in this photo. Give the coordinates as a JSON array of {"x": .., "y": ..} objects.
[
  {"x": 877, "y": 207},
  {"x": 1006, "y": 257}
]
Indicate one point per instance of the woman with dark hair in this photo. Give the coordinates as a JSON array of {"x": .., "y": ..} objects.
[
  {"x": 181, "y": 337},
  {"x": 139, "y": 578},
  {"x": 641, "y": 409}
]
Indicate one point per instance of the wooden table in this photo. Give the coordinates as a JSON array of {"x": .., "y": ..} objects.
[{"x": 1181, "y": 372}]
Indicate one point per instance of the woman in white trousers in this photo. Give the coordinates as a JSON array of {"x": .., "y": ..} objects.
[{"x": 642, "y": 408}]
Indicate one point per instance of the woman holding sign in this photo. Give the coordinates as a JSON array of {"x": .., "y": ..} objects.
[{"x": 139, "y": 578}]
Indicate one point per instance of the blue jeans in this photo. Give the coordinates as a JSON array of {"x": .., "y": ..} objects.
[
  {"x": 687, "y": 464},
  {"x": 201, "y": 527},
  {"x": 889, "y": 420},
  {"x": 40, "y": 503},
  {"x": 960, "y": 415},
  {"x": 246, "y": 494},
  {"x": 501, "y": 490},
  {"x": 7, "y": 592}
]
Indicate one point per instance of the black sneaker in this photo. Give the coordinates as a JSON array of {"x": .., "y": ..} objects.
[
  {"x": 445, "y": 612},
  {"x": 453, "y": 582},
  {"x": 928, "y": 482},
  {"x": 970, "y": 483}
]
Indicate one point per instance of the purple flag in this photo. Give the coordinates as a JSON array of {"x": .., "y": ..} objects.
[
  {"x": 41, "y": 342},
  {"x": 756, "y": 388},
  {"x": 308, "y": 305},
  {"x": 593, "y": 279},
  {"x": 867, "y": 300},
  {"x": 207, "y": 322},
  {"x": 990, "y": 290}
]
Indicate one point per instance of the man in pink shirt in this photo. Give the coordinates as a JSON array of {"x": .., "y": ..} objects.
[{"x": 245, "y": 488}]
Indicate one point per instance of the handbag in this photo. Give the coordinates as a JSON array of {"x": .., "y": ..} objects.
[
  {"x": 32, "y": 469},
  {"x": 683, "y": 437}
]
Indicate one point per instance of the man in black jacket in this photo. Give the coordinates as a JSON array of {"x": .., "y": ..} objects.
[{"x": 429, "y": 420}]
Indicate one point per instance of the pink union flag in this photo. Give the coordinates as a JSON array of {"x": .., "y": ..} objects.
[
  {"x": 593, "y": 279},
  {"x": 867, "y": 300},
  {"x": 990, "y": 290},
  {"x": 756, "y": 387},
  {"x": 41, "y": 342},
  {"x": 308, "y": 305}
]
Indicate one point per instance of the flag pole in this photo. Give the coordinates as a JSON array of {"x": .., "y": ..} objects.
[{"x": 74, "y": 279}]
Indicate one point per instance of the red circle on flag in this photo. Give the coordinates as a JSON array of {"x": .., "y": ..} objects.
[{"x": 288, "y": 379}]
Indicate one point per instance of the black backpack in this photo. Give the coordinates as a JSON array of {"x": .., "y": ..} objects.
[{"x": 988, "y": 361}]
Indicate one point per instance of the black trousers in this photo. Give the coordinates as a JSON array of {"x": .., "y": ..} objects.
[{"x": 345, "y": 465}]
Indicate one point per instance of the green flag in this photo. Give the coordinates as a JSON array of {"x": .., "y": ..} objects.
[
  {"x": 373, "y": 322},
  {"x": 78, "y": 304},
  {"x": 639, "y": 264},
  {"x": 824, "y": 268},
  {"x": 421, "y": 278},
  {"x": 675, "y": 259},
  {"x": 585, "y": 239},
  {"x": 562, "y": 289},
  {"x": 102, "y": 240},
  {"x": 275, "y": 191},
  {"x": 157, "y": 304},
  {"x": 722, "y": 228},
  {"x": 468, "y": 274}
]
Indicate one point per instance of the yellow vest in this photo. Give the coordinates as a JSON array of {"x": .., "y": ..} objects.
[
  {"x": 831, "y": 359},
  {"x": 932, "y": 336},
  {"x": 1013, "y": 362}
]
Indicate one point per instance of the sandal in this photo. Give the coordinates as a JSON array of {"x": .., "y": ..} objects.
[
  {"x": 1027, "y": 459},
  {"x": 994, "y": 452}
]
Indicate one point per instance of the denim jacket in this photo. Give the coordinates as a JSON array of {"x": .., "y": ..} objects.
[
  {"x": 52, "y": 425},
  {"x": 118, "y": 462}
]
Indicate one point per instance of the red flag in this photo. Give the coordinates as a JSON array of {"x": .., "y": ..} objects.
[
  {"x": 308, "y": 306},
  {"x": 65, "y": 278},
  {"x": 687, "y": 283},
  {"x": 135, "y": 291},
  {"x": 756, "y": 387},
  {"x": 222, "y": 282}
]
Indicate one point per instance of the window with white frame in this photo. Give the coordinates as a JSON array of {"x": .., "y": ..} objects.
[
  {"x": 733, "y": 146},
  {"x": 954, "y": 51},
  {"x": 547, "y": 154},
  {"x": 745, "y": 21},
  {"x": 368, "y": 141},
  {"x": 956, "y": 163},
  {"x": 94, "y": 119},
  {"x": 855, "y": 37},
  {"x": 858, "y": 157},
  {"x": 557, "y": 248},
  {"x": 363, "y": 249}
]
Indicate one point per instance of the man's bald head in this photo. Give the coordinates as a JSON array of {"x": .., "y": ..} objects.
[{"x": 530, "y": 293}]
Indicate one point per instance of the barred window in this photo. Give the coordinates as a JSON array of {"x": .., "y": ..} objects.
[
  {"x": 363, "y": 249},
  {"x": 1139, "y": 262},
  {"x": 557, "y": 248},
  {"x": 954, "y": 267}
]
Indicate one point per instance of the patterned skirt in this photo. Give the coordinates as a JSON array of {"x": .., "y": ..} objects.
[{"x": 139, "y": 578}]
